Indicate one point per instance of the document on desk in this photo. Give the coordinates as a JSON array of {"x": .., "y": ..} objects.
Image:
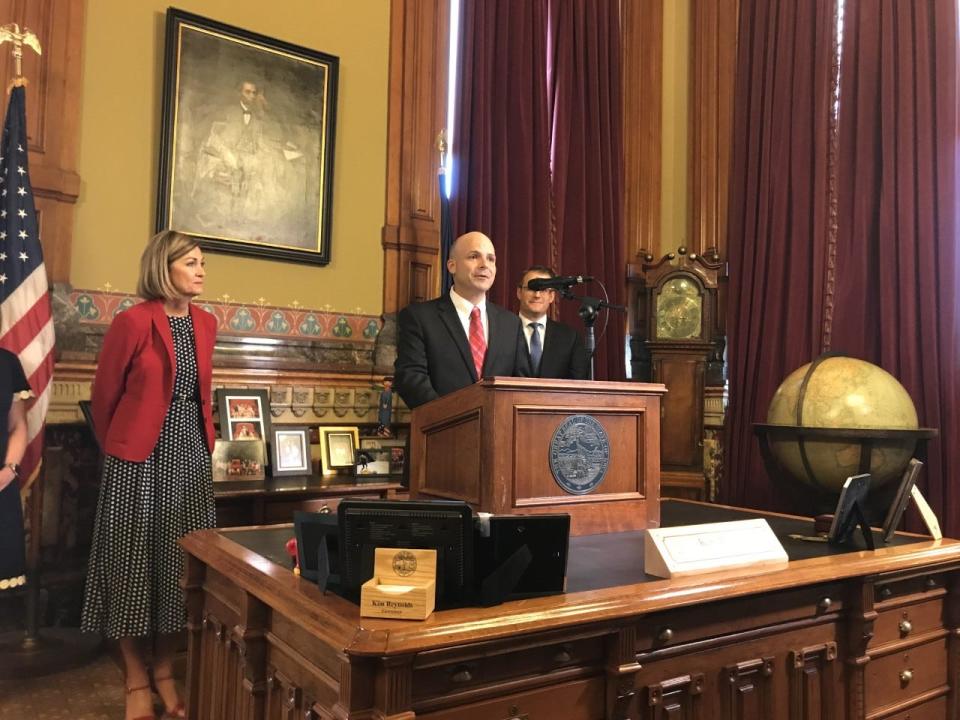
[{"x": 690, "y": 549}]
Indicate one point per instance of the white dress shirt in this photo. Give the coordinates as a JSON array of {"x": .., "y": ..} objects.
[
  {"x": 463, "y": 308},
  {"x": 528, "y": 331}
]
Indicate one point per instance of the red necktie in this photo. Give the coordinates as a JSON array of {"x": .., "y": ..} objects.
[{"x": 478, "y": 345}]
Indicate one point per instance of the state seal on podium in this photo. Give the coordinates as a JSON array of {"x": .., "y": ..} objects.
[{"x": 579, "y": 454}]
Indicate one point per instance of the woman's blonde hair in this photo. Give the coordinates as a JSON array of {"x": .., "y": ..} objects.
[{"x": 163, "y": 249}]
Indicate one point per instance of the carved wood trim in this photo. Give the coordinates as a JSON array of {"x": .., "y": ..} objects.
[
  {"x": 713, "y": 41},
  {"x": 952, "y": 605},
  {"x": 419, "y": 45},
  {"x": 859, "y": 625},
  {"x": 812, "y": 677},
  {"x": 194, "y": 573},
  {"x": 677, "y": 697},
  {"x": 642, "y": 44},
  {"x": 749, "y": 692},
  {"x": 53, "y": 117},
  {"x": 621, "y": 668}
]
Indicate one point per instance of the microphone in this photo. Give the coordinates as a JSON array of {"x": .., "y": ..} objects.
[{"x": 561, "y": 282}]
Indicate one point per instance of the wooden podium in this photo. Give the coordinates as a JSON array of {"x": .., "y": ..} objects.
[{"x": 489, "y": 445}]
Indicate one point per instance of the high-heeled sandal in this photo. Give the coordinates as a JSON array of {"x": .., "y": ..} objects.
[
  {"x": 179, "y": 711},
  {"x": 130, "y": 691}
]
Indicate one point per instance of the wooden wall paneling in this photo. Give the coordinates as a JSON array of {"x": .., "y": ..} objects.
[
  {"x": 53, "y": 116},
  {"x": 419, "y": 40},
  {"x": 642, "y": 46},
  {"x": 712, "y": 74}
]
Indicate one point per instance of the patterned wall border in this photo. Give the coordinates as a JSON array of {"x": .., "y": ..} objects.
[{"x": 96, "y": 307}]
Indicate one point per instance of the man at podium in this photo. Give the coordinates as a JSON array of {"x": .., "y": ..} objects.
[{"x": 453, "y": 341}]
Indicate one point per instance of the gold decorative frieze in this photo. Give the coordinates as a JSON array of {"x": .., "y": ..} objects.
[{"x": 714, "y": 406}]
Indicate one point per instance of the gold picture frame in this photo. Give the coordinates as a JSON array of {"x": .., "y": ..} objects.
[
  {"x": 338, "y": 445},
  {"x": 241, "y": 173}
]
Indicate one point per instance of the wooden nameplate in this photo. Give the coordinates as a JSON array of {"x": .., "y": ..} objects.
[
  {"x": 691, "y": 549},
  {"x": 403, "y": 586}
]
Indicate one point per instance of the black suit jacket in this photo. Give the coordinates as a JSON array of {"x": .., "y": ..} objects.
[
  {"x": 564, "y": 355},
  {"x": 433, "y": 353}
]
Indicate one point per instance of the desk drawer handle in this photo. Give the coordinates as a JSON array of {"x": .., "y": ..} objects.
[
  {"x": 824, "y": 604},
  {"x": 461, "y": 674},
  {"x": 563, "y": 655},
  {"x": 665, "y": 635},
  {"x": 906, "y": 676},
  {"x": 515, "y": 714},
  {"x": 905, "y": 627}
]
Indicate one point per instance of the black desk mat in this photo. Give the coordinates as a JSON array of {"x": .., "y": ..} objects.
[{"x": 601, "y": 561}]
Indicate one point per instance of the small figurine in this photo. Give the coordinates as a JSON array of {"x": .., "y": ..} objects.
[
  {"x": 291, "y": 548},
  {"x": 385, "y": 408}
]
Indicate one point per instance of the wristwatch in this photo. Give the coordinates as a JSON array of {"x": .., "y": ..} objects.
[{"x": 15, "y": 467}]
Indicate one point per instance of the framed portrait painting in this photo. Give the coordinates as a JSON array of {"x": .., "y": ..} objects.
[
  {"x": 247, "y": 139},
  {"x": 290, "y": 453},
  {"x": 244, "y": 414},
  {"x": 338, "y": 447}
]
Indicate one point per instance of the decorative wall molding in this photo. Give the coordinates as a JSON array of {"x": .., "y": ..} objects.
[
  {"x": 713, "y": 41},
  {"x": 53, "y": 117},
  {"x": 419, "y": 43},
  {"x": 642, "y": 48},
  {"x": 98, "y": 308},
  {"x": 319, "y": 366}
]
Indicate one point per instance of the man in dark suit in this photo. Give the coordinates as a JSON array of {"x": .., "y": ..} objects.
[
  {"x": 555, "y": 350},
  {"x": 453, "y": 341}
]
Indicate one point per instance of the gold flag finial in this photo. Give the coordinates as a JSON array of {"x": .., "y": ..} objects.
[
  {"x": 11, "y": 33},
  {"x": 442, "y": 147}
]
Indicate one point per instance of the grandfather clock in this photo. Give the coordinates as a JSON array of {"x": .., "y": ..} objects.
[{"x": 676, "y": 339}]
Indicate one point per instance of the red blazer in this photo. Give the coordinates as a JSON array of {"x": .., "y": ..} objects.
[{"x": 134, "y": 381}]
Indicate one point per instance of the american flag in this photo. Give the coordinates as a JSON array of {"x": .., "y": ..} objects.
[{"x": 26, "y": 320}]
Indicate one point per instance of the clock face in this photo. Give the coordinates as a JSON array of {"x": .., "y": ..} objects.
[{"x": 679, "y": 310}]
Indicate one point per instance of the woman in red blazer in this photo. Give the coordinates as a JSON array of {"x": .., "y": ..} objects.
[{"x": 152, "y": 416}]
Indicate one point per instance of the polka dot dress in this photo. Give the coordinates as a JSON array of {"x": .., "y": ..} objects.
[{"x": 144, "y": 508}]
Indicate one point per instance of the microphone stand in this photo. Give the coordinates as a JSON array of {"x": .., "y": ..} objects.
[{"x": 589, "y": 308}]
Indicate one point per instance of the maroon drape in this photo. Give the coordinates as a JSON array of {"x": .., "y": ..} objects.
[
  {"x": 777, "y": 220},
  {"x": 588, "y": 161},
  {"x": 897, "y": 246},
  {"x": 513, "y": 114},
  {"x": 501, "y": 142}
]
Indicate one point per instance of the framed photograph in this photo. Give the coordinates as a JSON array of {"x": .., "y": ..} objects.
[
  {"x": 238, "y": 460},
  {"x": 290, "y": 451},
  {"x": 397, "y": 459},
  {"x": 247, "y": 140},
  {"x": 338, "y": 448},
  {"x": 392, "y": 451},
  {"x": 244, "y": 414}
]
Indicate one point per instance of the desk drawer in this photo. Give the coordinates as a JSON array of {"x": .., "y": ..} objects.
[
  {"x": 579, "y": 700},
  {"x": 444, "y": 678},
  {"x": 907, "y": 621},
  {"x": 935, "y": 709},
  {"x": 917, "y": 588},
  {"x": 677, "y": 627},
  {"x": 902, "y": 675}
]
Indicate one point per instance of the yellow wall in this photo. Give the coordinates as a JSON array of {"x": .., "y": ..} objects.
[
  {"x": 674, "y": 197},
  {"x": 122, "y": 79}
]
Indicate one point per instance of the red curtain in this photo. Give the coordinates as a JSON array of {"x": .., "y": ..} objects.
[
  {"x": 514, "y": 115},
  {"x": 897, "y": 269},
  {"x": 588, "y": 161},
  {"x": 777, "y": 221},
  {"x": 501, "y": 142}
]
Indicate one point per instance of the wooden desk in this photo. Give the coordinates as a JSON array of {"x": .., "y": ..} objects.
[
  {"x": 274, "y": 500},
  {"x": 852, "y": 635}
]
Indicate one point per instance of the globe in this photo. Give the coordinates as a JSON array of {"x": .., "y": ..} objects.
[{"x": 847, "y": 393}]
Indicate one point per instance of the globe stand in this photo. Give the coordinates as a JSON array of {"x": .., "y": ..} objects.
[{"x": 868, "y": 438}]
